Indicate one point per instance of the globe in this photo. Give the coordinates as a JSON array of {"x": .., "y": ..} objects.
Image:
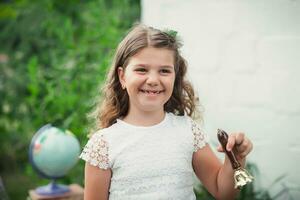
[{"x": 52, "y": 153}]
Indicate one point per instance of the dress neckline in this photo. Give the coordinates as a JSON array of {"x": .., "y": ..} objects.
[{"x": 159, "y": 124}]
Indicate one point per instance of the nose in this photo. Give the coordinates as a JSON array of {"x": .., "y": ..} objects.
[{"x": 152, "y": 79}]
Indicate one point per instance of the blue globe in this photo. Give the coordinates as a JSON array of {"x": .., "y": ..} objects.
[{"x": 53, "y": 152}]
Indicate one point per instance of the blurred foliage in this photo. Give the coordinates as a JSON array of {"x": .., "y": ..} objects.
[{"x": 53, "y": 57}]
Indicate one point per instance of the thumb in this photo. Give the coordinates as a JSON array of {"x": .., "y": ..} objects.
[{"x": 220, "y": 148}]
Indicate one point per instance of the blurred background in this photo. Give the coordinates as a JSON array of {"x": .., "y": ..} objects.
[
  {"x": 243, "y": 62},
  {"x": 53, "y": 58}
]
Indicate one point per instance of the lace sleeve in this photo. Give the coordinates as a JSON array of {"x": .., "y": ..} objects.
[
  {"x": 95, "y": 152},
  {"x": 200, "y": 139}
]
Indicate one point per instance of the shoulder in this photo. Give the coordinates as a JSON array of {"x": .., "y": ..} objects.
[
  {"x": 200, "y": 139},
  {"x": 95, "y": 151},
  {"x": 98, "y": 148},
  {"x": 193, "y": 128}
]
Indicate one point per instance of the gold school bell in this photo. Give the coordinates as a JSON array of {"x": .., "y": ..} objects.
[{"x": 241, "y": 175}]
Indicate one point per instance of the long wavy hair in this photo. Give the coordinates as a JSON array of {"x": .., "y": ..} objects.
[{"x": 115, "y": 100}]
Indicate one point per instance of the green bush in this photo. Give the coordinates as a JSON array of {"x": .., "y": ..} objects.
[{"x": 53, "y": 58}]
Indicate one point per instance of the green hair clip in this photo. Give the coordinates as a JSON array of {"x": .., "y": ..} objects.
[{"x": 172, "y": 33}]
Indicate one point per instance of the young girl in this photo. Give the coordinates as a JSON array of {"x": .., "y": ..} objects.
[{"x": 147, "y": 146}]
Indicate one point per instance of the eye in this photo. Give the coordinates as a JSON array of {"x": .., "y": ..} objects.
[
  {"x": 140, "y": 70},
  {"x": 165, "y": 71}
]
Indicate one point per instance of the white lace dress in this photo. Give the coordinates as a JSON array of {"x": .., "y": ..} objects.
[{"x": 148, "y": 162}]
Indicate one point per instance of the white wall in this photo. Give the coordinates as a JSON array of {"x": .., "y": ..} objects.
[{"x": 244, "y": 59}]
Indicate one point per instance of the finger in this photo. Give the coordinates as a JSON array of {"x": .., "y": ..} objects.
[
  {"x": 243, "y": 154},
  {"x": 239, "y": 138},
  {"x": 245, "y": 148},
  {"x": 231, "y": 142},
  {"x": 249, "y": 147},
  {"x": 220, "y": 148}
]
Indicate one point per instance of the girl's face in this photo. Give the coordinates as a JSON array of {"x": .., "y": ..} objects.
[{"x": 149, "y": 79}]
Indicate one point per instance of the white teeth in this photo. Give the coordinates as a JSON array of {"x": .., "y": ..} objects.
[{"x": 152, "y": 92}]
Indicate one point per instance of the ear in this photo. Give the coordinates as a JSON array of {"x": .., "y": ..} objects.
[{"x": 121, "y": 75}]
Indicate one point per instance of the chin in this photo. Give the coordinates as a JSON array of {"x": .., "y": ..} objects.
[{"x": 152, "y": 108}]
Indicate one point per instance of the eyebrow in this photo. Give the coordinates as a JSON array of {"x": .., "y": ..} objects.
[{"x": 162, "y": 66}]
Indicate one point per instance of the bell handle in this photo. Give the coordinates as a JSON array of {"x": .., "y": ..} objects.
[{"x": 223, "y": 139}]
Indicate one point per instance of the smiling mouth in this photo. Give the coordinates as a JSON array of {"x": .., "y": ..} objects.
[{"x": 152, "y": 91}]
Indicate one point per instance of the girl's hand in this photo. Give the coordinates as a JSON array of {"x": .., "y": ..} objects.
[{"x": 239, "y": 143}]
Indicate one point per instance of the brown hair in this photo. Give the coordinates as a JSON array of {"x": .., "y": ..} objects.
[{"x": 115, "y": 100}]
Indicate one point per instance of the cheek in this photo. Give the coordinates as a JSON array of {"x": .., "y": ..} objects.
[
  {"x": 134, "y": 82},
  {"x": 170, "y": 82}
]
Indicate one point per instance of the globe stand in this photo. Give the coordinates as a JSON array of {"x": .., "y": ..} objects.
[{"x": 52, "y": 189}]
